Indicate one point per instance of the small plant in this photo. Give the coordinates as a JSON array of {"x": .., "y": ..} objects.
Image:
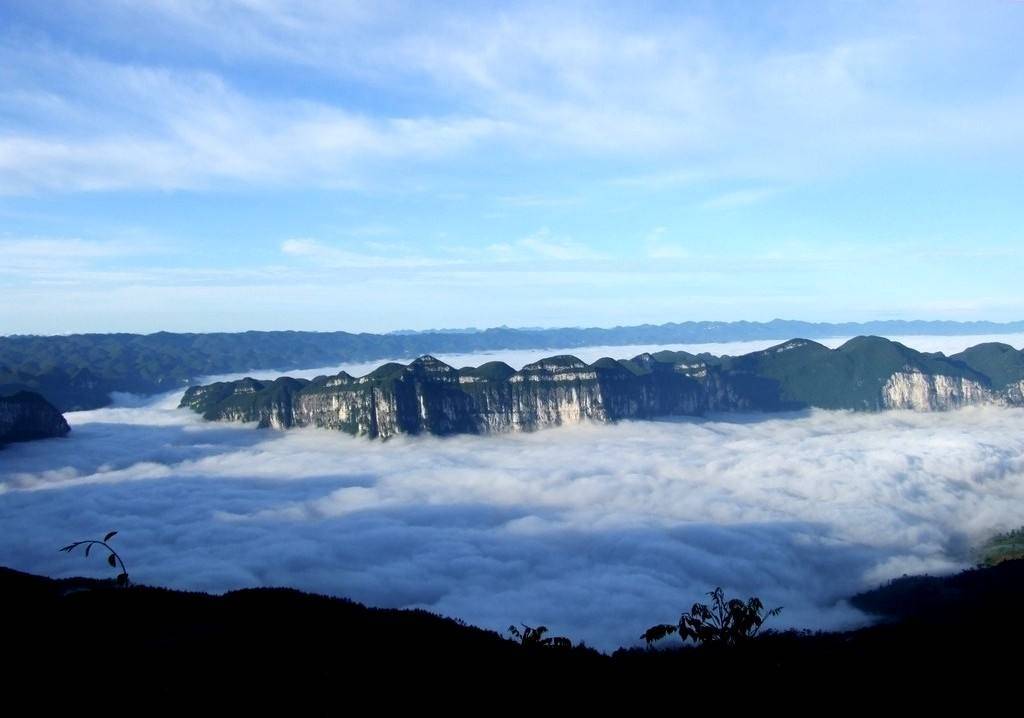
[
  {"x": 113, "y": 558},
  {"x": 530, "y": 636},
  {"x": 724, "y": 622}
]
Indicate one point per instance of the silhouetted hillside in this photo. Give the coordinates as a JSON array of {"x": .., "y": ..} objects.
[{"x": 88, "y": 635}]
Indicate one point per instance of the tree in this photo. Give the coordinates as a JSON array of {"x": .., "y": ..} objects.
[
  {"x": 112, "y": 556},
  {"x": 724, "y": 622},
  {"x": 530, "y": 636}
]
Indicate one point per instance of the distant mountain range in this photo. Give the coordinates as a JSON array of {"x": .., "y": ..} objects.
[
  {"x": 428, "y": 396},
  {"x": 79, "y": 371}
]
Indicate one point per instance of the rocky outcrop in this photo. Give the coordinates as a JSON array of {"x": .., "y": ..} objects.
[
  {"x": 918, "y": 391},
  {"x": 1013, "y": 393},
  {"x": 428, "y": 396},
  {"x": 26, "y": 416}
]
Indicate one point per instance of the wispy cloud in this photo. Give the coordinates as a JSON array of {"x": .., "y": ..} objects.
[
  {"x": 327, "y": 255},
  {"x": 612, "y": 84},
  {"x": 543, "y": 244},
  {"x": 42, "y": 258},
  {"x": 129, "y": 127}
]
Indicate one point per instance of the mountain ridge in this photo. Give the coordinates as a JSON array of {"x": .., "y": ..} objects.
[
  {"x": 80, "y": 371},
  {"x": 429, "y": 396}
]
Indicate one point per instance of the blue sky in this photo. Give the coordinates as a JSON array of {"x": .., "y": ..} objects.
[{"x": 258, "y": 165}]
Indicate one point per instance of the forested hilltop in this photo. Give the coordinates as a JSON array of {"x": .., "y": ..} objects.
[
  {"x": 79, "y": 371},
  {"x": 429, "y": 396}
]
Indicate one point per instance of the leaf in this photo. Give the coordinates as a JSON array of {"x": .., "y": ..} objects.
[
  {"x": 111, "y": 560},
  {"x": 122, "y": 579},
  {"x": 87, "y": 548},
  {"x": 110, "y": 535},
  {"x": 656, "y": 633}
]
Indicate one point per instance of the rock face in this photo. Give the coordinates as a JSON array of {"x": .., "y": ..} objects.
[
  {"x": 25, "y": 416},
  {"x": 428, "y": 396},
  {"x": 927, "y": 392}
]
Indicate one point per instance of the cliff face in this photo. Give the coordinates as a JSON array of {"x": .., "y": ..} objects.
[
  {"x": 25, "y": 416},
  {"x": 926, "y": 392},
  {"x": 428, "y": 396}
]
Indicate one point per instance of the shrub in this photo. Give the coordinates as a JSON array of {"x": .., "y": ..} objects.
[
  {"x": 530, "y": 636},
  {"x": 724, "y": 622}
]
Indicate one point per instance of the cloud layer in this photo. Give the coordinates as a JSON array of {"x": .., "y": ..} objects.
[
  {"x": 170, "y": 102},
  {"x": 595, "y": 531}
]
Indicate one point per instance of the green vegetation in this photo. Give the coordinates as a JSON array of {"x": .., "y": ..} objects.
[
  {"x": 1008, "y": 546},
  {"x": 850, "y": 377},
  {"x": 1001, "y": 363},
  {"x": 80, "y": 371},
  {"x": 428, "y": 396},
  {"x": 491, "y": 371}
]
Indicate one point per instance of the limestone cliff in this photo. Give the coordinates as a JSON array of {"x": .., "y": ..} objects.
[
  {"x": 428, "y": 396},
  {"x": 927, "y": 392}
]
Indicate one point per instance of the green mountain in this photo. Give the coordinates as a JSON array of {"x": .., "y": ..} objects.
[
  {"x": 853, "y": 376},
  {"x": 1001, "y": 363},
  {"x": 79, "y": 371},
  {"x": 428, "y": 396}
]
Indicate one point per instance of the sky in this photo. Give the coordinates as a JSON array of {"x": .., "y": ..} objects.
[{"x": 201, "y": 166}]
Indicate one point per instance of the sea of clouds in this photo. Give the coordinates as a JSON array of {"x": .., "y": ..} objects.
[{"x": 595, "y": 531}]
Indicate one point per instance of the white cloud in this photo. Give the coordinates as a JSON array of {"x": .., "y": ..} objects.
[
  {"x": 327, "y": 255},
  {"x": 121, "y": 126},
  {"x": 52, "y": 260},
  {"x": 543, "y": 244},
  {"x": 541, "y": 81},
  {"x": 596, "y": 531}
]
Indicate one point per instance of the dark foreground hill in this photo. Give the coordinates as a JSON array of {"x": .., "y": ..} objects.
[
  {"x": 86, "y": 637},
  {"x": 25, "y": 416}
]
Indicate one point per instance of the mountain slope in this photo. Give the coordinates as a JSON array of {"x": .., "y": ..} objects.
[
  {"x": 1001, "y": 363},
  {"x": 428, "y": 396},
  {"x": 25, "y": 416},
  {"x": 864, "y": 373},
  {"x": 79, "y": 371}
]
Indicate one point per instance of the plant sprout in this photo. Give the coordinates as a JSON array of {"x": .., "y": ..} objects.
[{"x": 113, "y": 558}]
